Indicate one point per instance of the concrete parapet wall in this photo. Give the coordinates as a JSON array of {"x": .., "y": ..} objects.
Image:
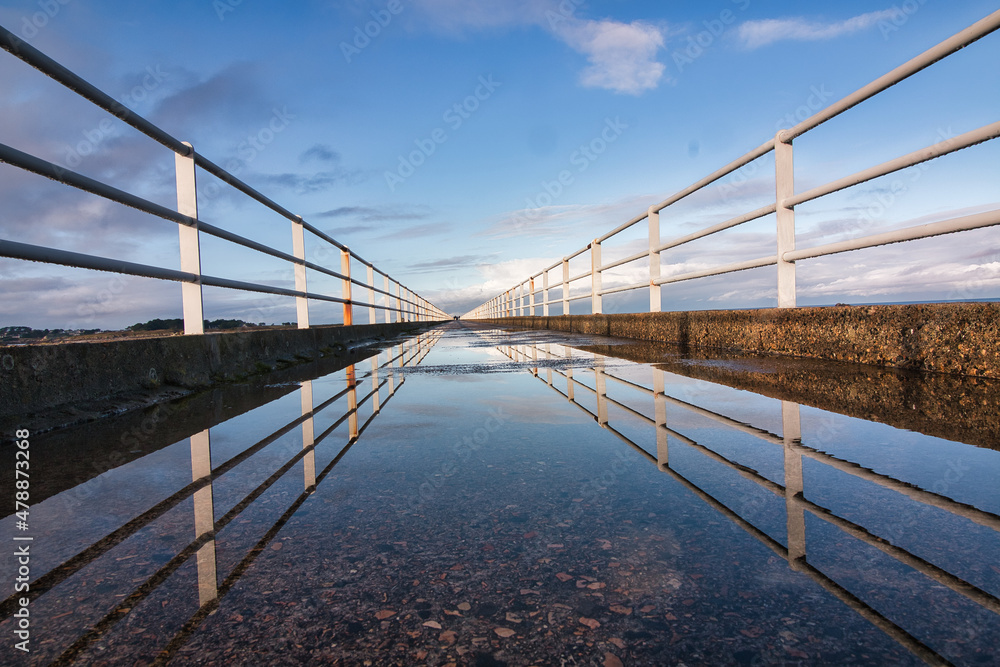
[
  {"x": 959, "y": 338},
  {"x": 36, "y": 378}
]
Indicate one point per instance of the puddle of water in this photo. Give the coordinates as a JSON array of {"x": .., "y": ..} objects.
[{"x": 485, "y": 497}]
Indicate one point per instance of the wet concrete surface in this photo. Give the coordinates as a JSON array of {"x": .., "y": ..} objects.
[{"x": 476, "y": 496}]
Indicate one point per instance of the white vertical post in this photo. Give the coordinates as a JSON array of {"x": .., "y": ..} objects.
[
  {"x": 565, "y": 286},
  {"x": 399, "y": 303},
  {"x": 601, "y": 384},
  {"x": 654, "y": 260},
  {"x": 531, "y": 297},
  {"x": 299, "y": 250},
  {"x": 386, "y": 301},
  {"x": 308, "y": 436},
  {"x": 784, "y": 182},
  {"x": 660, "y": 412},
  {"x": 791, "y": 434},
  {"x": 371, "y": 294},
  {"x": 204, "y": 516},
  {"x": 376, "y": 403},
  {"x": 548, "y": 371},
  {"x": 390, "y": 372},
  {"x": 352, "y": 402},
  {"x": 596, "y": 300},
  {"x": 345, "y": 270},
  {"x": 545, "y": 293},
  {"x": 190, "y": 248}
]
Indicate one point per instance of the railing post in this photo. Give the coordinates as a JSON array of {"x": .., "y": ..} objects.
[
  {"x": 596, "y": 300},
  {"x": 399, "y": 303},
  {"x": 660, "y": 414},
  {"x": 531, "y": 298},
  {"x": 308, "y": 435},
  {"x": 545, "y": 293},
  {"x": 570, "y": 394},
  {"x": 791, "y": 434},
  {"x": 376, "y": 403},
  {"x": 345, "y": 270},
  {"x": 601, "y": 385},
  {"x": 371, "y": 294},
  {"x": 565, "y": 286},
  {"x": 386, "y": 300},
  {"x": 299, "y": 250},
  {"x": 352, "y": 403},
  {"x": 784, "y": 184},
  {"x": 190, "y": 248},
  {"x": 654, "y": 260},
  {"x": 204, "y": 516}
]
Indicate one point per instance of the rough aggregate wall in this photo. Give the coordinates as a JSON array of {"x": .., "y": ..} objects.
[{"x": 959, "y": 338}]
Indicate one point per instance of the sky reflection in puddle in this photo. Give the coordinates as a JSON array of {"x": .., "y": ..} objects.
[{"x": 484, "y": 497}]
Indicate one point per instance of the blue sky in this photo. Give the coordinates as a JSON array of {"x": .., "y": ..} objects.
[{"x": 432, "y": 147}]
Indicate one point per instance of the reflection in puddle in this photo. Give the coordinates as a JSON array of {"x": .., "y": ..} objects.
[{"x": 524, "y": 501}]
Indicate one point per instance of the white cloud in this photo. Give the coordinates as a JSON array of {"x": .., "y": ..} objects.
[
  {"x": 755, "y": 34},
  {"x": 621, "y": 56}
]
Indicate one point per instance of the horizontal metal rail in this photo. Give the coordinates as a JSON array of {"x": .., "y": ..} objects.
[
  {"x": 962, "y": 224},
  {"x": 728, "y": 224},
  {"x": 985, "y": 133},
  {"x": 718, "y": 271},
  {"x": 959, "y": 41},
  {"x": 46, "y": 65},
  {"x": 35, "y": 253},
  {"x": 738, "y": 163},
  {"x": 625, "y": 260},
  {"x": 623, "y": 288}
]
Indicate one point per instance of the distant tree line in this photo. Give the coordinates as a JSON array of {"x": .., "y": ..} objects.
[
  {"x": 176, "y": 324},
  {"x": 27, "y": 333}
]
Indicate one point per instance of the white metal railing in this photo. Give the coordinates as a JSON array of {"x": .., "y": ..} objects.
[
  {"x": 524, "y": 297},
  {"x": 398, "y": 301}
]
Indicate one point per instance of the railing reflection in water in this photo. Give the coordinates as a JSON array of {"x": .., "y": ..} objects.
[
  {"x": 537, "y": 356},
  {"x": 384, "y": 375}
]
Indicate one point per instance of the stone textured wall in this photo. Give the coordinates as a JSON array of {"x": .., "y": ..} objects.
[
  {"x": 959, "y": 338},
  {"x": 36, "y": 378}
]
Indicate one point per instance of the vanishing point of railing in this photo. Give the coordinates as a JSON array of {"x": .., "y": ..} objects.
[
  {"x": 398, "y": 301},
  {"x": 523, "y": 298}
]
